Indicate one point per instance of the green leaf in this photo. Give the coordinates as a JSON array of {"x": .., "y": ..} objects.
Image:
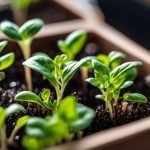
[
  {"x": 21, "y": 121},
  {"x": 116, "y": 57},
  {"x": 35, "y": 127},
  {"x": 45, "y": 94},
  {"x": 85, "y": 117},
  {"x": 30, "y": 143},
  {"x": 6, "y": 60},
  {"x": 71, "y": 68},
  {"x": 14, "y": 108},
  {"x": 100, "y": 67},
  {"x": 135, "y": 97},
  {"x": 73, "y": 44},
  {"x": 57, "y": 128},
  {"x": 43, "y": 65},
  {"x": 28, "y": 96},
  {"x": 103, "y": 58},
  {"x": 2, "y": 116},
  {"x": 11, "y": 30},
  {"x": 123, "y": 69},
  {"x": 3, "y": 45},
  {"x": 30, "y": 28},
  {"x": 67, "y": 109},
  {"x": 92, "y": 81},
  {"x": 126, "y": 84}
]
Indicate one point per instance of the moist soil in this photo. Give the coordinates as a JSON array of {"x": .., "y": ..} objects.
[
  {"x": 48, "y": 11},
  {"x": 14, "y": 83}
]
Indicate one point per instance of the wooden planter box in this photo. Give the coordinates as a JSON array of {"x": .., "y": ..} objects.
[{"x": 131, "y": 136}]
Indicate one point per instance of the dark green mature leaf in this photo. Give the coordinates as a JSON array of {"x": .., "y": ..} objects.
[
  {"x": 6, "y": 60},
  {"x": 11, "y": 30},
  {"x": 30, "y": 28},
  {"x": 73, "y": 44},
  {"x": 85, "y": 117},
  {"x": 14, "y": 108},
  {"x": 28, "y": 96},
  {"x": 135, "y": 97},
  {"x": 67, "y": 109},
  {"x": 43, "y": 65},
  {"x": 123, "y": 69},
  {"x": 2, "y": 45}
]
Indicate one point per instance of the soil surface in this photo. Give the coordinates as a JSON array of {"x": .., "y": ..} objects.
[
  {"x": 14, "y": 83},
  {"x": 49, "y": 12}
]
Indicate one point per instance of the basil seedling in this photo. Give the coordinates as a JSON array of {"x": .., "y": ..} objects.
[
  {"x": 6, "y": 60},
  {"x": 114, "y": 59},
  {"x": 69, "y": 118},
  {"x": 73, "y": 44},
  {"x": 58, "y": 72},
  {"x": 20, "y": 9},
  {"x": 111, "y": 82},
  {"x": 4, "y": 113},
  {"x": 23, "y": 36}
]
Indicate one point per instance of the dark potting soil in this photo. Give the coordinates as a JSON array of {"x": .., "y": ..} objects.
[
  {"x": 14, "y": 83},
  {"x": 48, "y": 11}
]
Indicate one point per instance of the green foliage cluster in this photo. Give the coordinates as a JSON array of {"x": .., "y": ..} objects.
[
  {"x": 110, "y": 78},
  {"x": 68, "y": 116}
]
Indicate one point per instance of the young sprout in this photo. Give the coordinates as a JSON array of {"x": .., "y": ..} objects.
[
  {"x": 23, "y": 36},
  {"x": 111, "y": 82},
  {"x": 70, "y": 118},
  {"x": 20, "y": 9},
  {"x": 6, "y": 60},
  {"x": 114, "y": 59},
  {"x": 58, "y": 72},
  {"x": 72, "y": 46},
  {"x": 4, "y": 113}
]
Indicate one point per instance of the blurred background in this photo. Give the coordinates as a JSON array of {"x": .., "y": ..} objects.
[{"x": 131, "y": 17}]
